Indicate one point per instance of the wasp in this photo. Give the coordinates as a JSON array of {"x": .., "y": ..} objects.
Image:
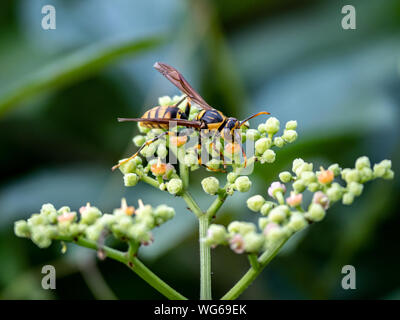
[{"x": 208, "y": 119}]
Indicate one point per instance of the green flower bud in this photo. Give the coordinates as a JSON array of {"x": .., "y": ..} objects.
[
  {"x": 255, "y": 203},
  {"x": 21, "y": 229},
  {"x": 165, "y": 101},
  {"x": 335, "y": 169},
  {"x": 285, "y": 176},
  {"x": 389, "y": 174},
  {"x": 143, "y": 129},
  {"x": 252, "y": 134},
  {"x": 262, "y": 145},
  {"x": 262, "y": 128},
  {"x": 335, "y": 192},
  {"x": 355, "y": 188},
  {"x": 291, "y": 125},
  {"x": 162, "y": 186},
  {"x": 48, "y": 209},
  {"x": 74, "y": 229},
  {"x": 144, "y": 215},
  {"x": 37, "y": 220},
  {"x": 253, "y": 242},
  {"x": 213, "y": 164},
  {"x": 174, "y": 186},
  {"x": 131, "y": 179},
  {"x": 268, "y": 156},
  {"x": 241, "y": 227},
  {"x": 190, "y": 159},
  {"x": 274, "y": 234},
  {"x": 272, "y": 125},
  {"x": 299, "y": 186},
  {"x": 216, "y": 234},
  {"x": 93, "y": 232},
  {"x": 366, "y": 174},
  {"x": 363, "y": 162},
  {"x": 243, "y": 184},
  {"x": 40, "y": 236},
  {"x": 296, "y": 164},
  {"x": 64, "y": 210},
  {"x": 315, "y": 212},
  {"x": 348, "y": 198},
  {"x": 313, "y": 187},
  {"x": 210, "y": 185},
  {"x": 163, "y": 213},
  {"x": 89, "y": 214},
  {"x": 266, "y": 208},
  {"x": 231, "y": 177},
  {"x": 289, "y": 136},
  {"x": 279, "y": 142},
  {"x": 278, "y": 214},
  {"x": 297, "y": 222},
  {"x": 352, "y": 176},
  {"x": 162, "y": 151},
  {"x": 308, "y": 177},
  {"x": 148, "y": 151},
  {"x": 140, "y": 233},
  {"x": 262, "y": 222},
  {"x": 139, "y": 140}
]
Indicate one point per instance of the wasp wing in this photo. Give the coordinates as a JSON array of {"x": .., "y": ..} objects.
[
  {"x": 179, "y": 122},
  {"x": 180, "y": 82}
]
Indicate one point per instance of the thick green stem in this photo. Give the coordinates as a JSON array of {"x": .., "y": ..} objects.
[
  {"x": 205, "y": 260},
  {"x": 193, "y": 206},
  {"x": 212, "y": 210},
  {"x": 133, "y": 263},
  {"x": 253, "y": 272}
]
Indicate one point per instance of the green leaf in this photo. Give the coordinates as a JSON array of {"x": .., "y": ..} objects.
[{"x": 72, "y": 68}]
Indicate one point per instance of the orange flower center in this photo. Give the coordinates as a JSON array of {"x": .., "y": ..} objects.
[
  {"x": 178, "y": 140},
  {"x": 326, "y": 176}
]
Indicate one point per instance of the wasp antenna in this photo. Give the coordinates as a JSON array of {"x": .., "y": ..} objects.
[{"x": 253, "y": 116}]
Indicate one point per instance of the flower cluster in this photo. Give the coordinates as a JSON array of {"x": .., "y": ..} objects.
[
  {"x": 153, "y": 159},
  {"x": 126, "y": 223},
  {"x": 284, "y": 214}
]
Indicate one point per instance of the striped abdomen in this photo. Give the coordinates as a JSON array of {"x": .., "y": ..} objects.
[{"x": 160, "y": 112}]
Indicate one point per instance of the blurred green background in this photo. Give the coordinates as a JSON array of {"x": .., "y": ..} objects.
[{"x": 62, "y": 90}]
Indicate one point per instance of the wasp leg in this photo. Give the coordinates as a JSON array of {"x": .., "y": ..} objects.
[
  {"x": 147, "y": 143},
  {"x": 221, "y": 154},
  {"x": 198, "y": 151}
]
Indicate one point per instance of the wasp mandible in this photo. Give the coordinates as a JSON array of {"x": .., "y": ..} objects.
[{"x": 208, "y": 118}]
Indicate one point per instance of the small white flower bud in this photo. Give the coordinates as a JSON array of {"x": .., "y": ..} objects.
[
  {"x": 148, "y": 151},
  {"x": 274, "y": 233},
  {"x": 348, "y": 198},
  {"x": 389, "y": 175},
  {"x": 252, "y": 134},
  {"x": 355, "y": 188},
  {"x": 268, "y": 156},
  {"x": 243, "y": 184},
  {"x": 165, "y": 101},
  {"x": 210, "y": 185},
  {"x": 289, "y": 136},
  {"x": 315, "y": 212},
  {"x": 335, "y": 169},
  {"x": 299, "y": 186},
  {"x": 190, "y": 160},
  {"x": 139, "y": 140},
  {"x": 262, "y": 128},
  {"x": 142, "y": 128},
  {"x": 21, "y": 229},
  {"x": 266, "y": 208},
  {"x": 262, "y": 145},
  {"x": 335, "y": 192},
  {"x": 313, "y": 187},
  {"x": 89, "y": 214},
  {"x": 241, "y": 227},
  {"x": 278, "y": 214},
  {"x": 216, "y": 234},
  {"x": 308, "y": 177},
  {"x": 253, "y": 242},
  {"x": 262, "y": 222},
  {"x": 285, "y": 176},
  {"x": 255, "y": 203},
  {"x": 272, "y": 125},
  {"x": 363, "y": 162},
  {"x": 279, "y": 142},
  {"x": 297, "y": 222},
  {"x": 291, "y": 125},
  {"x": 131, "y": 179},
  {"x": 366, "y": 174},
  {"x": 351, "y": 176},
  {"x": 174, "y": 186},
  {"x": 162, "y": 151},
  {"x": 163, "y": 213},
  {"x": 231, "y": 177}
]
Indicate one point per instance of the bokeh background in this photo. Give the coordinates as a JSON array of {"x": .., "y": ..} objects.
[{"x": 62, "y": 90}]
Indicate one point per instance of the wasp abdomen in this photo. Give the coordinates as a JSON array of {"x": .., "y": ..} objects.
[{"x": 161, "y": 112}]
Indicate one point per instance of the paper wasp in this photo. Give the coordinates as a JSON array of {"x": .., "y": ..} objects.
[{"x": 208, "y": 118}]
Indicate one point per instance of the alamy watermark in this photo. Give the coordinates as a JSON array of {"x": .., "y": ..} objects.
[
  {"x": 49, "y": 18},
  {"x": 49, "y": 280}
]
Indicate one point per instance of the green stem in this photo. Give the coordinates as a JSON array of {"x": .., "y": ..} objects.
[
  {"x": 205, "y": 260},
  {"x": 183, "y": 169},
  {"x": 133, "y": 263},
  {"x": 254, "y": 261},
  {"x": 212, "y": 210},
  {"x": 193, "y": 206},
  {"x": 253, "y": 272}
]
